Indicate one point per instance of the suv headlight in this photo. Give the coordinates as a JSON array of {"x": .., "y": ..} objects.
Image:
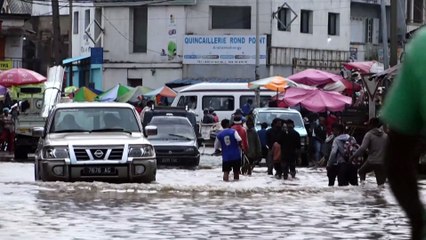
[
  {"x": 145, "y": 151},
  {"x": 55, "y": 152}
]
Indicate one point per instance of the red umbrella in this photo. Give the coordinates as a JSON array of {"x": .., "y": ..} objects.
[
  {"x": 313, "y": 77},
  {"x": 365, "y": 67},
  {"x": 20, "y": 76},
  {"x": 315, "y": 100}
]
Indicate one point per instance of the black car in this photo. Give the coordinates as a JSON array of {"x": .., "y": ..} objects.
[
  {"x": 176, "y": 142},
  {"x": 172, "y": 111}
]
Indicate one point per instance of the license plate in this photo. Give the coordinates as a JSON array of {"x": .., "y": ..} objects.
[
  {"x": 99, "y": 171},
  {"x": 169, "y": 160}
]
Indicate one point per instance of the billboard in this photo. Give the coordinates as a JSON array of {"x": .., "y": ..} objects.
[{"x": 223, "y": 49}]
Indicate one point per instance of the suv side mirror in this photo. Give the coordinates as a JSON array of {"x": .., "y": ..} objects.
[
  {"x": 151, "y": 130},
  {"x": 37, "y": 131}
]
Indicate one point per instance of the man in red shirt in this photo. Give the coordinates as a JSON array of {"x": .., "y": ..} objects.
[{"x": 238, "y": 126}]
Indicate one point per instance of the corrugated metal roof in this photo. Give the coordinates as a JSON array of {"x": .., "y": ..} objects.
[{"x": 19, "y": 7}]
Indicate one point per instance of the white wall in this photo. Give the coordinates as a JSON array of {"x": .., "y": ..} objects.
[
  {"x": 80, "y": 42},
  {"x": 199, "y": 17},
  {"x": 13, "y": 47},
  {"x": 319, "y": 39},
  {"x": 113, "y": 76},
  {"x": 46, "y": 8},
  {"x": 118, "y": 36}
]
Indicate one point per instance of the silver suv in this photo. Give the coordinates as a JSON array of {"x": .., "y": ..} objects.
[
  {"x": 267, "y": 115},
  {"x": 94, "y": 141}
]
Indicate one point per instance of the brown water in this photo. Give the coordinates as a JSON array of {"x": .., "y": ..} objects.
[{"x": 186, "y": 204}]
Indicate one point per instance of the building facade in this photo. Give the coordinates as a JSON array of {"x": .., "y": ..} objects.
[
  {"x": 309, "y": 34},
  {"x": 152, "y": 43}
]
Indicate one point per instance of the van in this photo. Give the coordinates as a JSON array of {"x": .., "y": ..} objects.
[{"x": 224, "y": 98}]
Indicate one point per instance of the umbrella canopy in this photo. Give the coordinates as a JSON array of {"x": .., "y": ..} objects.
[
  {"x": 113, "y": 94},
  {"x": 343, "y": 86},
  {"x": 313, "y": 77},
  {"x": 84, "y": 94},
  {"x": 276, "y": 83},
  {"x": 315, "y": 100},
  {"x": 388, "y": 73},
  {"x": 365, "y": 67},
  {"x": 20, "y": 76},
  {"x": 162, "y": 91},
  {"x": 133, "y": 94},
  {"x": 70, "y": 89}
]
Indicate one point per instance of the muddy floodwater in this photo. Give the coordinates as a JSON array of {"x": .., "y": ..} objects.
[{"x": 196, "y": 204}]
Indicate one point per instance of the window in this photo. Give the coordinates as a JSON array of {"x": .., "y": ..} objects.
[
  {"x": 306, "y": 21},
  {"x": 219, "y": 103},
  {"x": 418, "y": 11},
  {"x": 86, "y": 19},
  {"x": 333, "y": 24},
  {"x": 75, "y": 30},
  {"x": 190, "y": 101},
  {"x": 264, "y": 100},
  {"x": 140, "y": 29},
  {"x": 284, "y": 19},
  {"x": 224, "y": 17},
  {"x": 369, "y": 30},
  {"x": 93, "y": 119},
  {"x": 134, "y": 82},
  {"x": 98, "y": 27}
]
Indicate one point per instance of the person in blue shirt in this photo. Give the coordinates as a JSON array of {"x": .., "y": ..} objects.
[
  {"x": 247, "y": 107},
  {"x": 263, "y": 139},
  {"x": 230, "y": 142}
]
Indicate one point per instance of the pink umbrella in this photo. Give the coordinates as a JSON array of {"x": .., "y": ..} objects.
[
  {"x": 313, "y": 77},
  {"x": 365, "y": 67},
  {"x": 315, "y": 100},
  {"x": 20, "y": 76}
]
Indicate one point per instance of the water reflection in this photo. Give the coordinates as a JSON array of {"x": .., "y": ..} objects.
[{"x": 170, "y": 209}]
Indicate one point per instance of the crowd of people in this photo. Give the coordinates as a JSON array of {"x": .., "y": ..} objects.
[{"x": 280, "y": 145}]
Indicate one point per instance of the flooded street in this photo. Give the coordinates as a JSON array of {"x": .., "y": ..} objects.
[{"x": 196, "y": 204}]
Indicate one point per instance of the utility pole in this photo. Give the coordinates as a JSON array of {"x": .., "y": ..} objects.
[
  {"x": 56, "y": 32},
  {"x": 70, "y": 30},
  {"x": 385, "y": 35},
  {"x": 256, "y": 70},
  {"x": 394, "y": 33}
]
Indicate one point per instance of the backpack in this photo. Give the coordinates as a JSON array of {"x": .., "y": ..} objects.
[{"x": 350, "y": 147}]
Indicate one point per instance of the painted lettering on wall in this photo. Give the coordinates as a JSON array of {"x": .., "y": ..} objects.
[{"x": 223, "y": 49}]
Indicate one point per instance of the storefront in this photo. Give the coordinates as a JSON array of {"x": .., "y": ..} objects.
[{"x": 85, "y": 70}]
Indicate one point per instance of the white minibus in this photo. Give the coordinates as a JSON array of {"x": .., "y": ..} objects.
[{"x": 224, "y": 98}]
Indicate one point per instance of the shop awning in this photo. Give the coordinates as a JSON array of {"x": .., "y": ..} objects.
[{"x": 75, "y": 59}]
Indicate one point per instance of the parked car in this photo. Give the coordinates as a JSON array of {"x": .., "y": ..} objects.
[
  {"x": 176, "y": 142},
  {"x": 94, "y": 141},
  {"x": 171, "y": 111}
]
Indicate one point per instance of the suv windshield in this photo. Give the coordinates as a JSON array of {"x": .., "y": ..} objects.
[
  {"x": 172, "y": 128},
  {"x": 94, "y": 119},
  {"x": 269, "y": 116}
]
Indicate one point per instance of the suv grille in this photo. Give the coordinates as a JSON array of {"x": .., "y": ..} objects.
[{"x": 88, "y": 153}]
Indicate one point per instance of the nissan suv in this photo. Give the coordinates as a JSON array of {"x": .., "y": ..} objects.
[{"x": 94, "y": 142}]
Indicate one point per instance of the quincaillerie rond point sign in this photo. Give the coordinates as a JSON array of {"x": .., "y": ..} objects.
[{"x": 223, "y": 49}]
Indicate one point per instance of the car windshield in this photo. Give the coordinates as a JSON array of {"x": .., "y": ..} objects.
[
  {"x": 269, "y": 116},
  {"x": 94, "y": 119},
  {"x": 172, "y": 129}
]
